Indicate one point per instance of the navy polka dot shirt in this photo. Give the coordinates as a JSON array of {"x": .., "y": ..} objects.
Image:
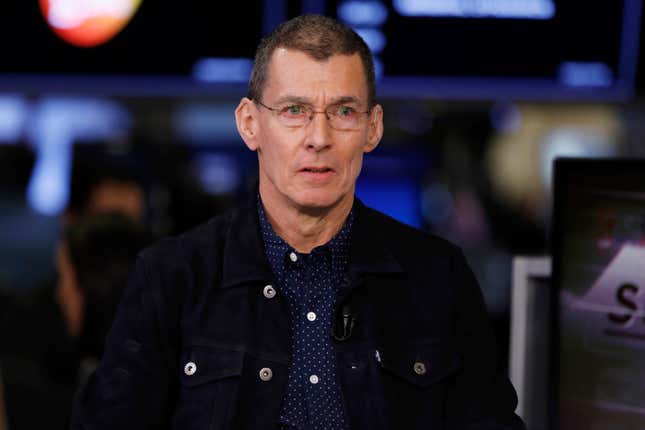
[{"x": 309, "y": 283}]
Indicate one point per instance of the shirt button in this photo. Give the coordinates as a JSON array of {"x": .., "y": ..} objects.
[
  {"x": 419, "y": 368},
  {"x": 313, "y": 379},
  {"x": 266, "y": 374},
  {"x": 293, "y": 257},
  {"x": 269, "y": 292},
  {"x": 190, "y": 368},
  {"x": 311, "y": 316}
]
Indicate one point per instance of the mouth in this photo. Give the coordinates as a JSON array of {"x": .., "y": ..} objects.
[
  {"x": 316, "y": 170},
  {"x": 317, "y": 175}
]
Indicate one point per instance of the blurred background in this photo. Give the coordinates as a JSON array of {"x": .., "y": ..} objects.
[{"x": 127, "y": 106}]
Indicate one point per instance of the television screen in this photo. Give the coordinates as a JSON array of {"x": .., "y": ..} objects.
[
  {"x": 599, "y": 255},
  {"x": 548, "y": 49},
  {"x": 71, "y": 44},
  {"x": 517, "y": 48}
]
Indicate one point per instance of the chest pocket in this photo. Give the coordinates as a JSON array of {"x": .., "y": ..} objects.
[
  {"x": 209, "y": 378},
  {"x": 421, "y": 364},
  {"x": 414, "y": 379}
]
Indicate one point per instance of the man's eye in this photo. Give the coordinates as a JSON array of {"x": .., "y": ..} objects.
[
  {"x": 345, "y": 111},
  {"x": 294, "y": 110}
]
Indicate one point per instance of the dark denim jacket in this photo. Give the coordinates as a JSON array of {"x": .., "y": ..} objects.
[{"x": 196, "y": 333}]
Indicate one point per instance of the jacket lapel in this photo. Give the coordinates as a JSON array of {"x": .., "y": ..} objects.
[
  {"x": 244, "y": 259},
  {"x": 369, "y": 253}
]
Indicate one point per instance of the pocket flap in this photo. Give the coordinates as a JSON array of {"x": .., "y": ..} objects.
[
  {"x": 421, "y": 364},
  {"x": 200, "y": 364}
]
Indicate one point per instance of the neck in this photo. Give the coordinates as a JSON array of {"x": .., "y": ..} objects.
[
  {"x": 305, "y": 228},
  {"x": 70, "y": 300}
]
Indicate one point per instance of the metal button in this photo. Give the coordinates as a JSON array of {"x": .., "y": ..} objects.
[
  {"x": 269, "y": 292},
  {"x": 266, "y": 374},
  {"x": 419, "y": 368},
  {"x": 190, "y": 368},
  {"x": 293, "y": 257},
  {"x": 311, "y": 316},
  {"x": 313, "y": 379}
]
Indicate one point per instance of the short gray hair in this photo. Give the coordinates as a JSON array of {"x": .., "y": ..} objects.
[{"x": 319, "y": 37}]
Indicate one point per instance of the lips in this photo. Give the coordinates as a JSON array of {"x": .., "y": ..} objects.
[
  {"x": 316, "y": 169},
  {"x": 317, "y": 174}
]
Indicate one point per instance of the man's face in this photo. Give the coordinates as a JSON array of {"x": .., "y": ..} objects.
[{"x": 314, "y": 165}]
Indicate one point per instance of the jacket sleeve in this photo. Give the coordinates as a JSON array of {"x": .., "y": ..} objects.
[
  {"x": 482, "y": 397},
  {"x": 131, "y": 387}
]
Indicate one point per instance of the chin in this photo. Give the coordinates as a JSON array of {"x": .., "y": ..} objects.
[{"x": 317, "y": 198}]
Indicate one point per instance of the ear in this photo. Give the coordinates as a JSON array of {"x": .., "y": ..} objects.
[
  {"x": 247, "y": 123},
  {"x": 374, "y": 129}
]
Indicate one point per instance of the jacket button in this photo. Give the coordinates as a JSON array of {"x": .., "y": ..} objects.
[
  {"x": 266, "y": 374},
  {"x": 190, "y": 368},
  {"x": 420, "y": 368},
  {"x": 269, "y": 292}
]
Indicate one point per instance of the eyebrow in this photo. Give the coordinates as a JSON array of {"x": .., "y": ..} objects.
[{"x": 307, "y": 101}]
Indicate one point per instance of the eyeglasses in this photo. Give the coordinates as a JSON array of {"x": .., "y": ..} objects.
[{"x": 340, "y": 116}]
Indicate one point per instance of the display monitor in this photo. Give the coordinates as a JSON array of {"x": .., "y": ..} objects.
[
  {"x": 445, "y": 49},
  {"x": 525, "y": 49},
  {"x": 599, "y": 291},
  {"x": 128, "y": 46}
]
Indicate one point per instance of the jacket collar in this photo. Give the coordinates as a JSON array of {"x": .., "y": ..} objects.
[
  {"x": 244, "y": 258},
  {"x": 369, "y": 253}
]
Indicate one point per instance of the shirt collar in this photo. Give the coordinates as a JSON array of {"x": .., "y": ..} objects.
[
  {"x": 339, "y": 245},
  {"x": 244, "y": 258}
]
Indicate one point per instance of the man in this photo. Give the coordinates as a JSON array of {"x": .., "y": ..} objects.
[{"x": 304, "y": 310}]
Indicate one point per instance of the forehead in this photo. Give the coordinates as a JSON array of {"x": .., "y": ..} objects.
[{"x": 294, "y": 73}]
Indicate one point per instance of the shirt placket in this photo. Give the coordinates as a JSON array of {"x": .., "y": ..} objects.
[
  {"x": 308, "y": 282},
  {"x": 297, "y": 401}
]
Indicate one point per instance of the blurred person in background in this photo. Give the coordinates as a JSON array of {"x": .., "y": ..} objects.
[
  {"x": 102, "y": 184},
  {"x": 303, "y": 309},
  {"x": 53, "y": 336}
]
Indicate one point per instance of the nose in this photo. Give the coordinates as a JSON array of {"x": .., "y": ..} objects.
[{"x": 318, "y": 132}]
